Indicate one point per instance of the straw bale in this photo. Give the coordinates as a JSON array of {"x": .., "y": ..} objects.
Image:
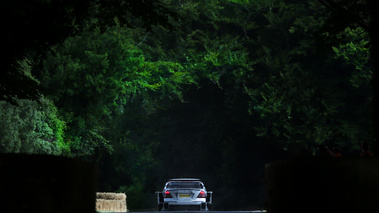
[
  {"x": 111, "y": 205},
  {"x": 110, "y": 196}
]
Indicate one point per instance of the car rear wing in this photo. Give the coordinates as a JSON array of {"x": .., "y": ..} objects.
[
  {"x": 159, "y": 197},
  {"x": 209, "y": 197}
]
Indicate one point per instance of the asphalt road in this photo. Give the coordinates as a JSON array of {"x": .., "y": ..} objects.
[{"x": 256, "y": 211}]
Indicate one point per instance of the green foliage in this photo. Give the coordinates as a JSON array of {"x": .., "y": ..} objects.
[
  {"x": 356, "y": 53},
  {"x": 35, "y": 33},
  {"x": 268, "y": 50},
  {"x": 30, "y": 128},
  {"x": 235, "y": 85},
  {"x": 295, "y": 93},
  {"x": 94, "y": 75},
  {"x": 265, "y": 87}
]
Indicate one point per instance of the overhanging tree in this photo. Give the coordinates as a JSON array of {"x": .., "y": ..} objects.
[
  {"x": 35, "y": 25},
  {"x": 92, "y": 77},
  {"x": 345, "y": 13}
]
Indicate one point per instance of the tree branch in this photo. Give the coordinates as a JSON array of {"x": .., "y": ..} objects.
[{"x": 143, "y": 39}]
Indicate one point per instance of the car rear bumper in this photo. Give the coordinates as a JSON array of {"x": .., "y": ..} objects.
[
  {"x": 185, "y": 201},
  {"x": 185, "y": 206}
]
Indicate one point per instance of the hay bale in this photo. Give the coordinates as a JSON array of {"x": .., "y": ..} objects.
[
  {"x": 114, "y": 202},
  {"x": 111, "y": 205},
  {"x": 110, "y": 196}
]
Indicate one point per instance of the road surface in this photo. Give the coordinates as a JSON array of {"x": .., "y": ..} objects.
[{"x": 255, "y": 211}]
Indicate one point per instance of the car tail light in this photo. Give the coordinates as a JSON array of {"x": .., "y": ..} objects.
[
  {"x": 202, "y": 195},
  {"x": 167, "y": 194}
]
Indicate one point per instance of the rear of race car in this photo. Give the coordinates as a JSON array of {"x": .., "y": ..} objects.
[
  {"x": 185, "y": 199},
  {"x": 184, "y": 195}
]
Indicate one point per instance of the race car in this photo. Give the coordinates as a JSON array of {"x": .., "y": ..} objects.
[{"x": 184, "y": 194}]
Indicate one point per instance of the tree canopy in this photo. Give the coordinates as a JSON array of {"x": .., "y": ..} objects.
[{"x": 151, "y": 90}]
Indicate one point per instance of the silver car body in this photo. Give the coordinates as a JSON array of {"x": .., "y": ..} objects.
[{"x": 183, "y": 194}]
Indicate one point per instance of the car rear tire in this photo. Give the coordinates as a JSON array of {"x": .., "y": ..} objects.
[{"x": 160, "y": 206}]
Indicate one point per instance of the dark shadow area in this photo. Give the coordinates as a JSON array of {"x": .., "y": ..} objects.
[
  {"x": 310, "y": 185},
  {"x": 46, "y": 184}
]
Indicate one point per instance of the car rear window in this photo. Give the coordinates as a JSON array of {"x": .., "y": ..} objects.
[{"x": 197, "y": 185}]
